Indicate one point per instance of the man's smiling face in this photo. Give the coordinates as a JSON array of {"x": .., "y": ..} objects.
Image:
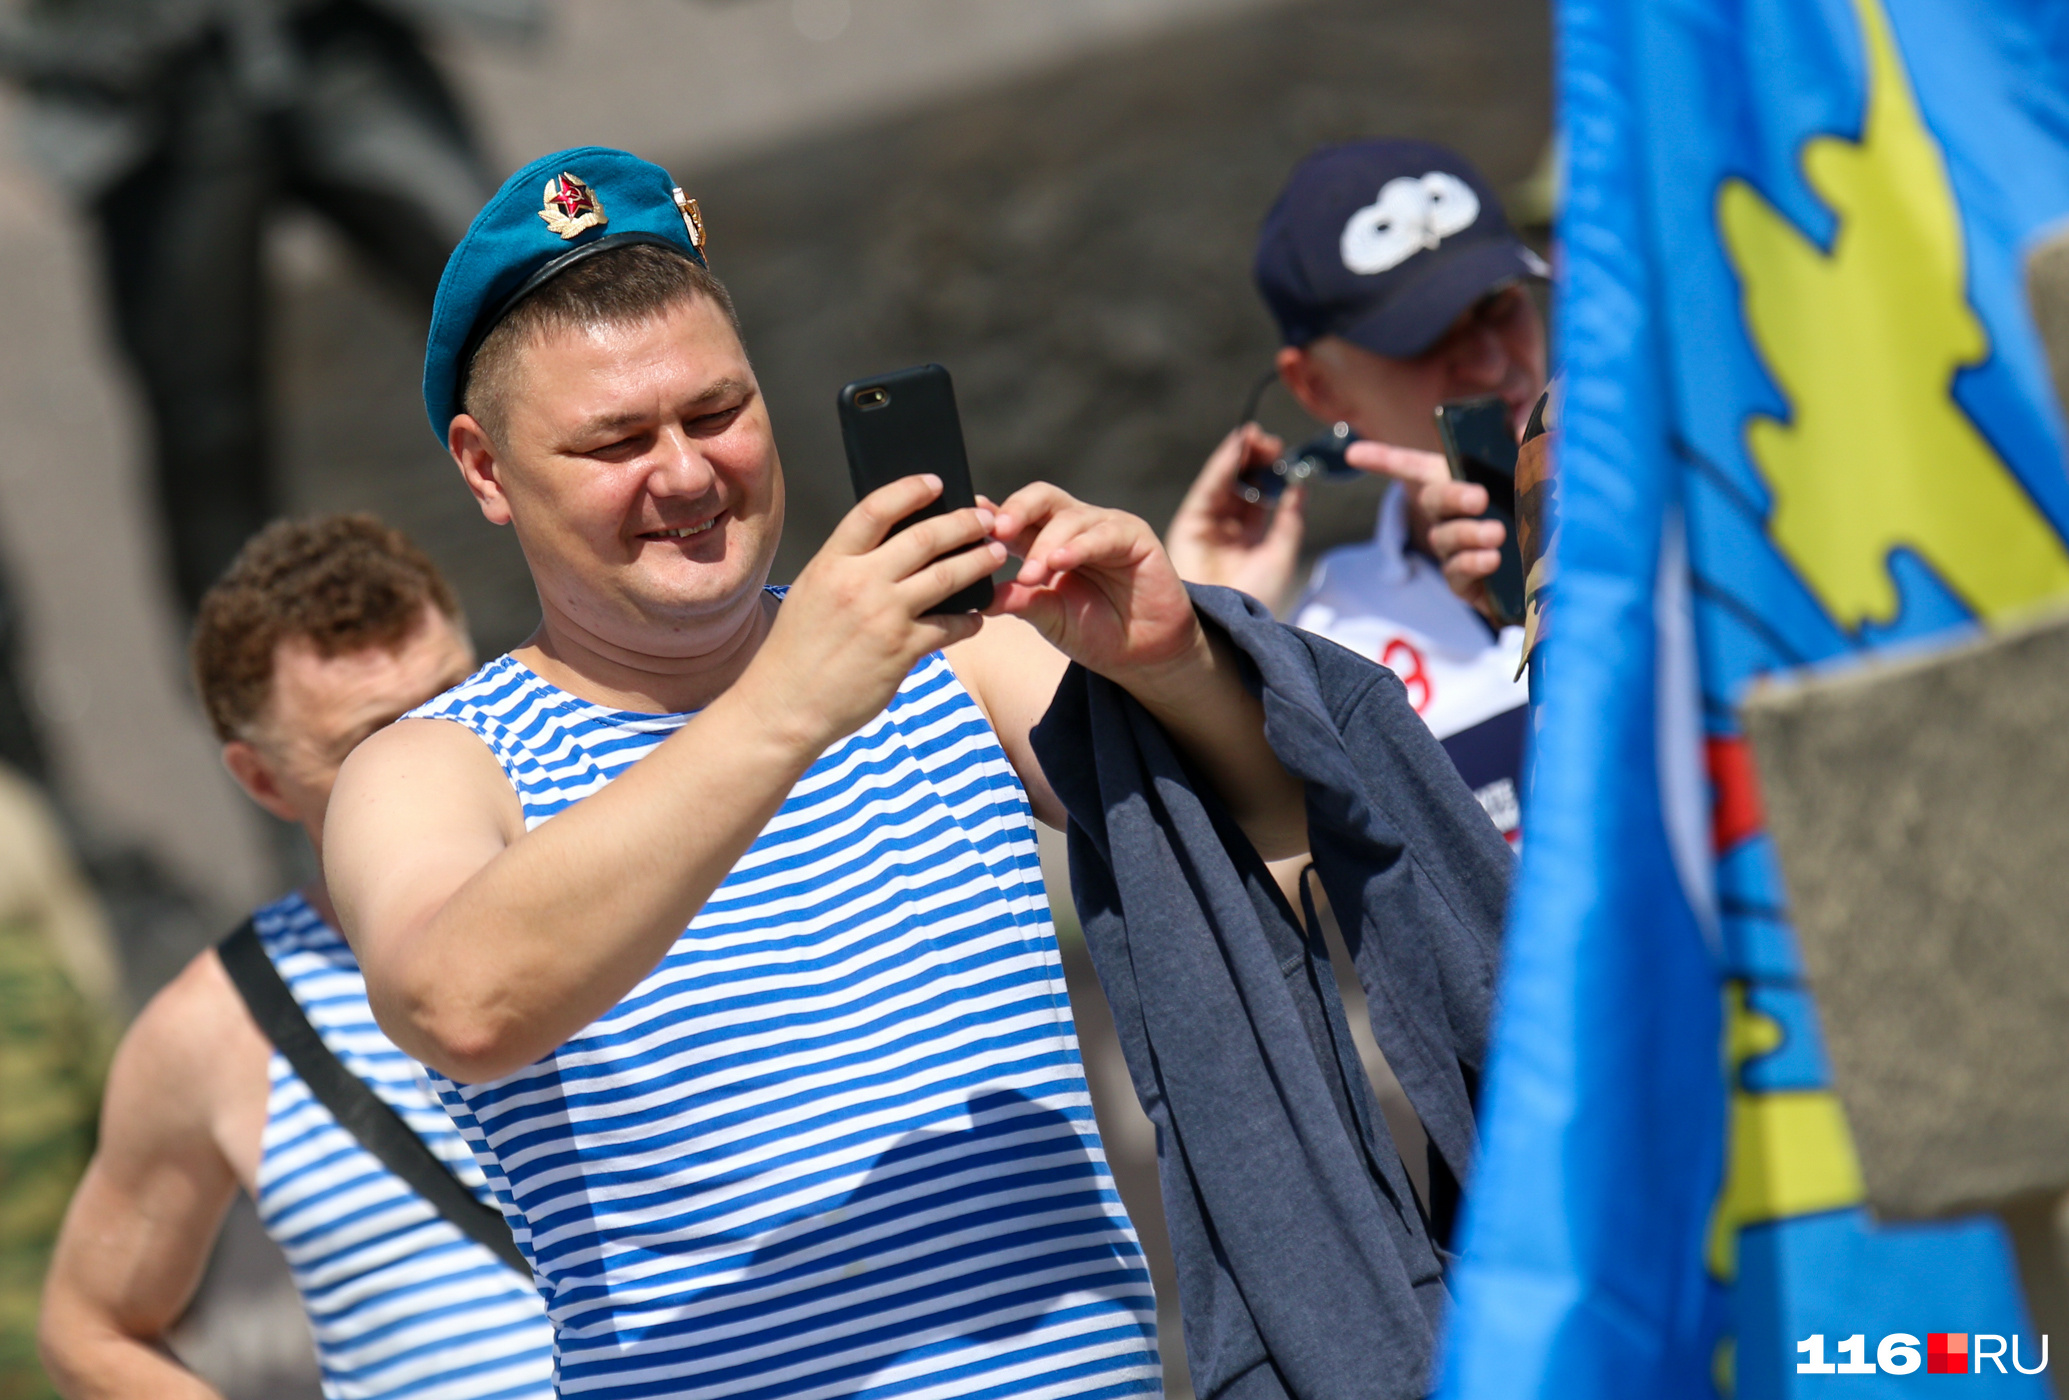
[{"x": 640, "y": 473}]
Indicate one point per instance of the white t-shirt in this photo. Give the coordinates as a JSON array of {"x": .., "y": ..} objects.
[{"x": 1386, "y": 601}]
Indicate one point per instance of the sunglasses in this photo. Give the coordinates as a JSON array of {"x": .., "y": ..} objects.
[{"x": 1318, "y": 457}]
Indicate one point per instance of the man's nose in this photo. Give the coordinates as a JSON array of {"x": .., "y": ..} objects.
[{"x": 679, "y": 468}]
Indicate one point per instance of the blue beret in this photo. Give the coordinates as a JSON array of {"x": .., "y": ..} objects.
[{"x": 555, "y": 212}]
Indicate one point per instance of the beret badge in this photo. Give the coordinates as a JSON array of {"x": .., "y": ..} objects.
[
  {"x": 571, "y": 206},
  {"x": 692, "y": 218}
]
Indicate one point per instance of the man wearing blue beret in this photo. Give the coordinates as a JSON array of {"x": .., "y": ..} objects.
[{"x": 714, "y": 908}]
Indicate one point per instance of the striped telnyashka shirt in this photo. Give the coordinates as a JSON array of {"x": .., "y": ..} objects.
[
  {"x": 402, "y": 1303},
  {"x": 838, "y": 1143}
]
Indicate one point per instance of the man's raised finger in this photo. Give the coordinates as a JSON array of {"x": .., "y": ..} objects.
[{"x": 1407, "y": 464}]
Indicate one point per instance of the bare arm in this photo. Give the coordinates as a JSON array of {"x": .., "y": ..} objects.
[
  {"x": 186, "y": 1094},
  {"x": 485, "y": 946},
  {"x": 1098, "y": 588}
]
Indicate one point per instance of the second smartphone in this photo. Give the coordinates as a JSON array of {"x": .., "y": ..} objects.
[
  {"x": 1481, "y": 449},
  {"x": 901, "y": 424}
]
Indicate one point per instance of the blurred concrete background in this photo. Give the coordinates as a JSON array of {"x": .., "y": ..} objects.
[{"x": 1054, "y": 198}]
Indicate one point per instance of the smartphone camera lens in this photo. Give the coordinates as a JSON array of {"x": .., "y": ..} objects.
[{"x": 875, "y": 397}]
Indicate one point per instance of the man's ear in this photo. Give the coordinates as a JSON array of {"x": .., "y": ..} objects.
[
  {"x": 476, "y": 455},
  {"x": 1307, "y": 379},
  {"x": 255, "y": 775}
]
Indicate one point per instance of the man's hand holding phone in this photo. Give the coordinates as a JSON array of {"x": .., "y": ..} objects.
[
  {"x": 1442, "y": 516},
  {"x": 865, "y": 609}
]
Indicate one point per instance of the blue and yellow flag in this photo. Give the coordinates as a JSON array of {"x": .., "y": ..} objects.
[{"x": 1806, "y": 416}]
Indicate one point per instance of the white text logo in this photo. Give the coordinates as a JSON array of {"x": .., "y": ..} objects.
[{"x": 1946, "y": 1354}]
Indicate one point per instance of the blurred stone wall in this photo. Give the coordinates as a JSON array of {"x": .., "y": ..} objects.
[{"x": 1075, "y": 246}]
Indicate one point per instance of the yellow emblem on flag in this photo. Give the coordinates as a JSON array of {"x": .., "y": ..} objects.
[
  {"x": 1864, "y": 342},
  {"x": 1787, "y": 1152}
]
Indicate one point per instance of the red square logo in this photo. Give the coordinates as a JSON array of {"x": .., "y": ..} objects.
[{"x": 1946, "y": 1353}]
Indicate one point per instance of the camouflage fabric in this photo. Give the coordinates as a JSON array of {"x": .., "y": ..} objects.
[{"x": 53, "y": 1052}]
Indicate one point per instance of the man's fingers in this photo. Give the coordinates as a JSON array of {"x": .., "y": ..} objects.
[
  {"x": 1244, "y": 447},
  {"x": 1223, "y": 463},
  {"x": 1448, "y": 500},
  {"x": 1022, "y": 515},
  {"x": 929, "y": 585},
  {"x": 946, "y": 629},
  {"x": 1407, "y": 464},
  {"x": 1470, "y": 566},
  {"x": 864, "y": 528},
  {"x": 1079, "y": 537},
  {"x": 905, "y": 552},
  {"x": 1456, "y": 536},
  {"x": 1467, "y": 573}
]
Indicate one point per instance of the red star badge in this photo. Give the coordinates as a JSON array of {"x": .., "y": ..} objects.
[{"x": 571, "y": 206}]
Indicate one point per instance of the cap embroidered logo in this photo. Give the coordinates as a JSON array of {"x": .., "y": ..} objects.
[
  {"x": 1409, "y": 216},
  {"x": 571, "y": 206}
]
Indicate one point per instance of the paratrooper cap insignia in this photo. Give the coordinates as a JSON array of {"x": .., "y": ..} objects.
[
  {"x": 571, "y": 206},
  {"x": 692, "y": 219}
]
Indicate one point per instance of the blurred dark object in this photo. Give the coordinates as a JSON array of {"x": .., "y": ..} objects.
[
  {"x": 182, "y": 125},
  {"x": 21, "y": 742},
  {"x": 1317, "y": 457}
]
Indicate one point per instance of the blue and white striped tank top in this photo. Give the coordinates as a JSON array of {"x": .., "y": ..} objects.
[
  {"x": 402, "y": 1303},
  {"x": 838, "y": 1143}
]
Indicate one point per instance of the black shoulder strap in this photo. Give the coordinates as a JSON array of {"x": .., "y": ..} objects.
[{"x": 359, "y": 1109}]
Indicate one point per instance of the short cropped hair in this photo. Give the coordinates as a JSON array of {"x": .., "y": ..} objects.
[
  {"x": 621, "y": 287},
  {"x": 343, "y": 583}
]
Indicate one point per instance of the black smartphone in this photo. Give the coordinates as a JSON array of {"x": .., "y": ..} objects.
[
  {"x": 1482, "y": 450},
  {"x": 901, "y": 424}
]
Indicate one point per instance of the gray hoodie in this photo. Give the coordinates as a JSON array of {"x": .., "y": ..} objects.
[{"x": 1306, "y": 1267}]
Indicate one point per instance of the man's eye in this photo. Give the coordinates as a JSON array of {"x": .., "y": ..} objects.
[{"x": 618, "y": 447}]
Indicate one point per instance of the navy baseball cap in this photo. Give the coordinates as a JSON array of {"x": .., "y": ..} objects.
[
  {"x": 550, "y": 215},
  {"x": 1385, "y": 243}
]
